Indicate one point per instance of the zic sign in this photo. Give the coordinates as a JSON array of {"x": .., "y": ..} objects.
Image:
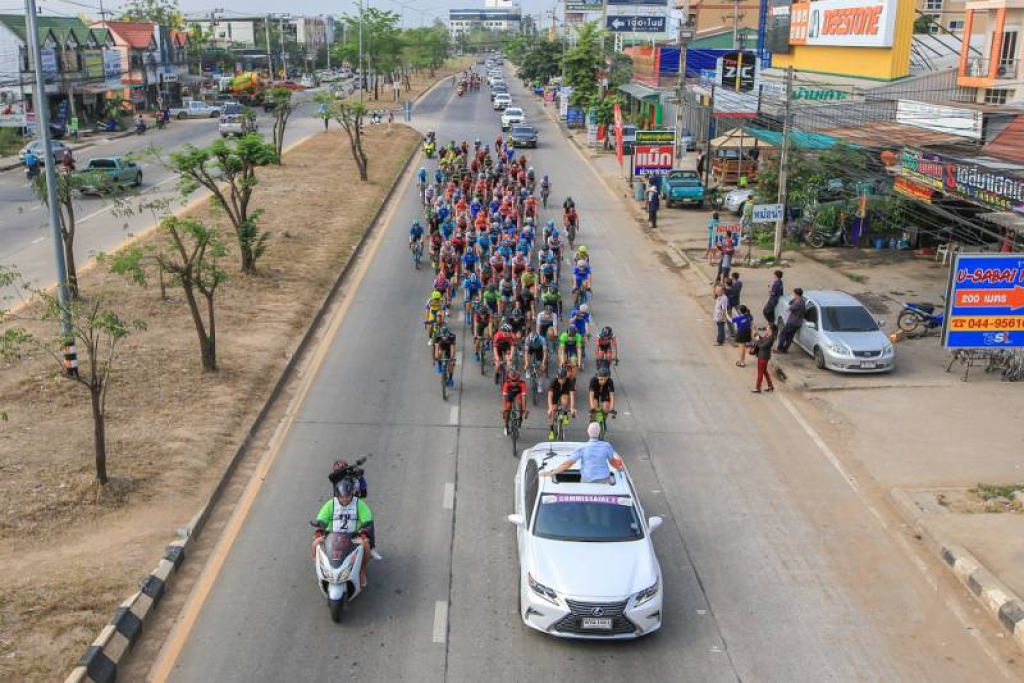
[
  {"x": 738, "y": 71},
  {"x": 766, "y": 213},
  {"x": 651, "y": 160},
  {"x": 985, "y": 302},
  {"x": 636, "y": 24}
]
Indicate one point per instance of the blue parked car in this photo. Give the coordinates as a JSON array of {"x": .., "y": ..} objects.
[{"x": 682, "y": 187}]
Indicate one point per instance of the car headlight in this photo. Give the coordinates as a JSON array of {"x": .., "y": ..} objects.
[
  {"x": 646, "y": 595},
  {"x": 542, "y": 590},
  {"x": 888, "y": 350},
  {"x": 839, "y": 348}
]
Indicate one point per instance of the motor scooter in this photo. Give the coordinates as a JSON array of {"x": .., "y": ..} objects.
[
  {"x": 32, "y": 171},
  {"x": 339, "y": 561},
  {"x": 917, "y": 315},
  {"x": 821, "y": 237},
  {"x": 140, "y": 127}
]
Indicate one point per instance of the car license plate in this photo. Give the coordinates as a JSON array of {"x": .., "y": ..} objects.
[
  {"x": 604, "y": 623},
  {"x": 868, "y": 366}
]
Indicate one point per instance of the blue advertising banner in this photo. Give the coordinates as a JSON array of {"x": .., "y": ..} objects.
[
  {"x": 636, "y": 24},
  {"x": 660, "y": 3},
  {"x": 985, "y": 302}
]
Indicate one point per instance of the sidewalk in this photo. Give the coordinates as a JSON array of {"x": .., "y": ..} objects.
[{"x": 909, "y": 432}]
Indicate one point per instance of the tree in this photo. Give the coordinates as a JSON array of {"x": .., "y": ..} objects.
[
  {"x": 161, "y": 12},
  {"x": 426, "y": 47},
  {"x": 349, "y": 116},
  {"x": 281, "y": 99},
  {"x": 540, "y": 60},
  {"x": 190, "y": 255},
  {"x": 228, "y": 171},
  {"x": 582, "y": 62},
  {"x": 68, "y": 184},
  {"x": 96, "y": 332},
  {"x": 382, "y": 44},
  {"x": 923, "y": 24}
]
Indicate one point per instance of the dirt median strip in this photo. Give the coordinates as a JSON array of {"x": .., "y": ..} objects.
[{"x": 997, "y": 599}]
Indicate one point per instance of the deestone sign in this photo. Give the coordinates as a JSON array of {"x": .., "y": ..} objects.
[{"x": 843, "y": 23}]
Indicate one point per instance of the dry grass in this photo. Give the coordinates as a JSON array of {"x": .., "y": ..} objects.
[{"x": 170, "y": 426}]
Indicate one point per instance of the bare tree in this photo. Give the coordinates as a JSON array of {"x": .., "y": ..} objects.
[
  {"x": 349, "y": 116},
  {"x": 283, "y": 106}
]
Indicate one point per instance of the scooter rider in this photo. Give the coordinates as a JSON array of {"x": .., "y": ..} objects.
[{"x": 348, "y": 513}]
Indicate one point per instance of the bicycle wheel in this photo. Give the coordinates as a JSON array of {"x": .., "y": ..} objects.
[
  {"x": 571, "y": 231},
  {"x": 534, "y": 389},
  {"x": 444, "y": 385},
  {"x": 514, "y": 433}
]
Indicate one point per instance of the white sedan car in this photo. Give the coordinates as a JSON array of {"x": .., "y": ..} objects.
[
  {"x": 586, "y": 562},
  {"x": 510, "y": 116}
]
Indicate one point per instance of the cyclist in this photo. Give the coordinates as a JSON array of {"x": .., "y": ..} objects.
[
  {"x": 516, "y": 320},
  {"x": 490, "y": 297},
  {"x": 553, "y": 298},
  {"x": 607, "y": 346},
  {"x": 545, "y": 190},
  {"x": 536, "y": 351},
  {"x": 582, "y": 253},
  {"x": 571, "y": 219},
  {"x": 549, "y": 227},
  {"x": 443, "y": 285},
  {"x": 482, "y": 319},
  {"x": 580, "y": 319},
  {"x": 433, "y": 312},
  {"x": 570, "y": 348},
  {"x": 415, "y": 236},
  {"x": 555, "y": 244},
  {"x": 506, "y": 291},
  {"x": 469, "y": 261},
  {"x": 514, "y": 389},
  {"x": 548, "y": 272},
  {"x": 444, "y": 353},
  {"x": 581, "y": 275},
  {"x": 546, "y": 320},
  {"x": 471, "y": 287},
  {"x": 568, "y": 204},
  {"x": 602, "y": 393},
  {"x": 502, "y": 344},
  {"x": 421, "y": 180},
  {"x": 561, "y": 393}
]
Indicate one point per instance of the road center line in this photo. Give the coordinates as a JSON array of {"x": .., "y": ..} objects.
[
  {"x": 454, "y": 417},
  {"x": 440, "y": 621},
  {"x": 449, "y": 496}
]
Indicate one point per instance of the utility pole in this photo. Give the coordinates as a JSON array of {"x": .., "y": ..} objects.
[
  {"x": 735, "y": 24},
  {"x": 284, "y": 55},
  {"x": 784, "y": 163},
  {"x": 707, "y": 143},
  {"x": 362, "y": 74},
  {"x": 270, "y": 58},
  {"x": 684, "y": 37},
  {"x": 40, "y": 104}
]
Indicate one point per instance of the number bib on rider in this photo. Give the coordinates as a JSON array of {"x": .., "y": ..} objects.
[{"x": 345, "y": 516}]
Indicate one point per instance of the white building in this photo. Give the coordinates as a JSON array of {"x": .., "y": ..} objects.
[{"x": 502, "y": 20}]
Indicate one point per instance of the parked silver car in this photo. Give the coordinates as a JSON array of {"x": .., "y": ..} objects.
[{"x": 840, "y": 333}]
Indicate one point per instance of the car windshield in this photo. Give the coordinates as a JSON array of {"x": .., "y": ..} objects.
[
  {"x": 848, "y": 319},
  {"x": 684, "y": 177},
  {"x": 587, "y": 518},
  {"x": 512, "y": 111},
  {"x": 522, "y": 130},
  {"x": 102, "y": 163}
]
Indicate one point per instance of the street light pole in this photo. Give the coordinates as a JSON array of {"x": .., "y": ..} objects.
[
  {"x": 43, "y": 124},
  {"x": 362, "y": 74},
  {"x": 270, "y": 59},
  {"x": 685, "y": 34}
]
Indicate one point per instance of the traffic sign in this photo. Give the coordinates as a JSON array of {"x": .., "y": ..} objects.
[
  {"x": 663, "y": 137},
  {"x": 766, "y": 213},
  {"x": 985, "y": 302},
  {"x": 633, "y": 23}
]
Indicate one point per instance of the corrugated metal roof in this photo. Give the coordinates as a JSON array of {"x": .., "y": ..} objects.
[
  {"x": 1010, "y": 143},
  {"x": 797, "y": 138},
  {"x": 892, "y": 135}
]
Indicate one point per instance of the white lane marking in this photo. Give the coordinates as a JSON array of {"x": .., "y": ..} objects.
[
  {"x": 820, "y": 443},
  {"x": 38, "y": 240},
  {"x": 440, "y": 621},
  {"x": 449, "y": 496},
  {"x": 453, "y": 418}
]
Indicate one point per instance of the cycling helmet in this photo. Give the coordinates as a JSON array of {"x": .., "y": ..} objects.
[
  {"x": 435, "y": 295},
  {"x": 562, "y": 373},
  {"x": 606, "y": 332},
  {"x": 423, "y": 169},
  {"x": 492, "y": 287},
  {"x": 581, "y": 249},
  {"x": 345, "y": 487},
  {"x": 549, "y": 308},
  {"x": 416, "y": 224},
  {"x": 585, "y": 308},
  {"x": 516, "y": 312},
  {"x": 603, "y": 372},
  {"x": 513, "y": 375},
  {"x": 551, "y": 224},
  {"x": 581, "y": 264},
  {"x": 505, "y": 327},
  {"x": 444, "y": 331}
]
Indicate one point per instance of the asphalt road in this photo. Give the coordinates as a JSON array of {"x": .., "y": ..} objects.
[
  {"x": 775, "y": 568},
  {"x": 25, "y": 236}
]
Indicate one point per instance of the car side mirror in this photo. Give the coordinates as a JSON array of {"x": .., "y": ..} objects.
[
  {"x": 518, "y": 520},
  {"x": 811, "y": 325},
  {"x": 654, "y": 522},
  {"x": 881, "y": 323}
]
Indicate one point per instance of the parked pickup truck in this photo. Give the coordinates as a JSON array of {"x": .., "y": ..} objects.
[
  {"x": 236, "y": 124},
  {"x": 117, "y": 171},
  {"x": 194, "y": 109},
  {"x": 682, "y": 187}
]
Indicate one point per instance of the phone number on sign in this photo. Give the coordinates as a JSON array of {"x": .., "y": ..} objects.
[{"x": 986, "y": 323}]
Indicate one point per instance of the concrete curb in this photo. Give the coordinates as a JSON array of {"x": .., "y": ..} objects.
[
  {"x": 99, "y": 663},
  {"x": 1001, "y": 602}
]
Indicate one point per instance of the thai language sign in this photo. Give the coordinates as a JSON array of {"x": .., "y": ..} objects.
[
  {"x": 651, "y": 160},
  {"x": 843, "y": 23},
  {"x": 985, "y": 302},
  {"x": 997, "y": 189}
]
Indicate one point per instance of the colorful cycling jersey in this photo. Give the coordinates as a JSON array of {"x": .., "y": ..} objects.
[
  {"x": 503, "y": 341},
  {"x": 549, "y": 298},
  {"x": 438, "y": 176},
  {"x": 544, "y": 322},
  {"x": 433, "y": 307},
  {"x": 528, "y": 280},
  {"x": 580, "y": 321},
  {"x": 422, "y": 175},
  {"x": 416, "y": 232},
  {"x": 490, "y": 297},
  {"x": 513, "y": 390},
  {"x": 535, "y": 345},
  {"x": 441, "y": 283},
  {"x": 581, "y": 273},
  {"x": 605, "y": 343},
  {"x": 472, "y": 285},
  {"x": 469, "y": 260},
  {"x": 507, "y": 288},
  {"x": 570, "y": 342},
  {"x": 446, "y": 345}
]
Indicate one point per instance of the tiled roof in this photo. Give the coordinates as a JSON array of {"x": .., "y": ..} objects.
[
  {"x": 59, "y": 27},
  {"x": 1009, "y": 144},
  {"x": 136, "y": 34}
]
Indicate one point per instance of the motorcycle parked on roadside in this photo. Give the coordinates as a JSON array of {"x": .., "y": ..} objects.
[
  {"x": 825, "y": 237},
  {"x": 919, "y": 316}
]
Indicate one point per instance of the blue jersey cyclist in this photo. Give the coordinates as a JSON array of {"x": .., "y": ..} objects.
[{"x": 581, "y": 272}]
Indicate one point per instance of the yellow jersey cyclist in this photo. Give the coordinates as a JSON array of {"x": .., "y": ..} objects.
[{"x": 433, "y": 313}]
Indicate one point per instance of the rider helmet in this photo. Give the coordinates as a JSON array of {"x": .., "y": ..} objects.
[
  {"x": 585, "y": 308},
  {"x": 513, "y": 375},
  {"x": 581, "y": 264},
  {"x": 551, "y": 224},
  {"x": 581, "y": 250},
  {"x": 435, "y": 295},
  {"x": 344, "y": 488},
  {"x": 603, "y": 373},
  {"x": 562, "y": 373},
  {"x": 506, "y": 327},
  {"x": 606, "y": 332}
]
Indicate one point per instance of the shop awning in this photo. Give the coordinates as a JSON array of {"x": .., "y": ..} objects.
[
  {"x": 1006, "y": 219},
  {"x": 812, "y": 141},
  {"x": 639, "y": 91}
]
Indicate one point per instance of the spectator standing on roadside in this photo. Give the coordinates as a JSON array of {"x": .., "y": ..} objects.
[
  {"x": 774, "y": 294},
  {"x": 727, "y": 250},
  {"x": 721, "y": 313},
  {"x": 743, "y": 321},
  {"x": 712, "y": 227},
  {"x": 762, "y": 348},
  {"x": 797, "y": 308},
  {"x": 653, "y": 204},
  {"x": 732, "y": 290}
]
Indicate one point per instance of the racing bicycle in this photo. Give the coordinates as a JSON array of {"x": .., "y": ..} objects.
[
  {"x": 515, "y": 422},
  {"x": 560, "y": 425},
  {"x": 599, "y": 416},
  {"x": 417, "y": 253},
  {"x": 532, "y": 373},
  {"x": 447, "y": 370}
]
